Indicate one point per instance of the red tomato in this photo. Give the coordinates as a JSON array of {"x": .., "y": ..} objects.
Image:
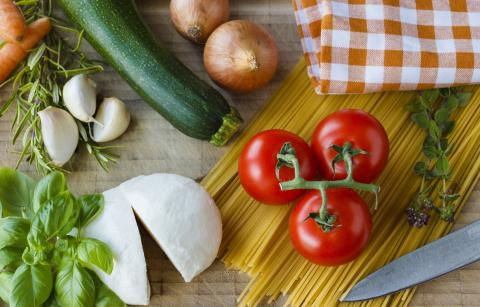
[
  {"x": 256, "y": 166},
  {"x": 363, "y": 131},
  {"x": 346, "y": 239}
]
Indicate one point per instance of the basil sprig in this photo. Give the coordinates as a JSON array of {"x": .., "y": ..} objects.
[{"x": 44, "y": 260}]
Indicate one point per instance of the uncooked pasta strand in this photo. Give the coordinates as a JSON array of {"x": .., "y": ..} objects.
[{"x": 256, "y": 238}]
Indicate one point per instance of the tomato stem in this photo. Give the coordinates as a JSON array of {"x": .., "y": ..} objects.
[{"x": 290, "y": 160}]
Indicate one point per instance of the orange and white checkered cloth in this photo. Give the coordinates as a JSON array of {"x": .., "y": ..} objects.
[{"x": 363, "y": 46}]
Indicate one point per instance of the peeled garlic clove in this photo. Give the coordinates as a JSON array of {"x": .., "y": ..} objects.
[
  {"x": 80, "y": 97},
  {"x": 60, "y": 134},
  {"x": 111, "y": 121}
]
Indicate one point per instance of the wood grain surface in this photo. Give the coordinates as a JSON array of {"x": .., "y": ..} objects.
[{"x": 153, "y": 145}]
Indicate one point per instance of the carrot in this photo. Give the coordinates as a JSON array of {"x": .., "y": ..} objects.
[
  {"x": 12, "y": 23},
  {"x": 35, "y": 32},
  {"x": 12, "y": 54}
]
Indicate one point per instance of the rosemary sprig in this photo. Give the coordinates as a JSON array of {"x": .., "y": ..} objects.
[
  {"x": 38, "y": 82},
  {"x": 432, "y": 112}
]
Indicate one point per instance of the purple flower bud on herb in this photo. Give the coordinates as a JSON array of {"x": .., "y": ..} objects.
[{"x": 416, "y": 218}]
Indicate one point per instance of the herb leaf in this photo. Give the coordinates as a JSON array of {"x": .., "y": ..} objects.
[
  {"x": 421, "y": 119},
  {"x": 430, "y": 96},
  {"x": 74, "y": 286},
  {"x": 441, "y": 116},
  {"x": 5, "y": 286},
  {"x": 37, "y": 84},
  {"x": 52, "y": 301},
  {"x": 16, "y": 192},
  {"x": 441, "y": 166},
  {"x": 92, "y": 252},
  {"x": 434, "y": 130},
  {"x": 13, "y": 231},
  {"x": 420, "y": 168},
  {"x": 90, "y": 207},
  {"x": 105, "y": 297},
  {"x": 50, "y": 186},
  {"x": 10, "y": 255},
  {"x": 463, "y": 98},
  {"x": 451, "y": 104},
  {"x": 31, "y": 285},
  {"x": 56, "y": 217}
]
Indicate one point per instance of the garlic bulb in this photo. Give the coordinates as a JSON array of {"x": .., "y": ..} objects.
[
  {"x": 80, "y": 97},
  {"x": 111, "y": 121},
  {"x": 60, "y": 134}
]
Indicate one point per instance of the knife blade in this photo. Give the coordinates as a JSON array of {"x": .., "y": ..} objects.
[{"x": 456, "y": 250}]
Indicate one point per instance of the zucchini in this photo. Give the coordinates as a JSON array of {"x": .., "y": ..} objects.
[{"x": 116, "y": 31}]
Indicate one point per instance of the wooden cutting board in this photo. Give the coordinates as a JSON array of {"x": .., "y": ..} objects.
[{"x": 153, "y": 145}]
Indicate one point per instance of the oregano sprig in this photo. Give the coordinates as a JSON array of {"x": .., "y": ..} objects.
[{"x": 432, "y": 111}]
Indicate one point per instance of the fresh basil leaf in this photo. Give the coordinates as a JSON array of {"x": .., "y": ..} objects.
[
  {"x": 74, "y": 286},
  {"x": 47, "y": 188},
  {"x": 65, "y": 249},
  {"x": 16, "y": 192},
  {"x": 67, "y": 245},
  {"x": 36, "y": 236},
  {"x": 31, "y": 285},
  {"x": 90, "y": 207},
  {"x": 92, "y": 252},
  {"x": 28, "y": 256},
  {"x": 105, "y": 297},
  {"x": 72, "y": 222},
  {"x": 5, "y": 286},
  {"x": 37, "y": 254},
  {"x": 56, "y": 217},
  {"x": 51, "y": 302},
  {"x": 10, "y": 255},
  {"x": 13, "y": 231}
]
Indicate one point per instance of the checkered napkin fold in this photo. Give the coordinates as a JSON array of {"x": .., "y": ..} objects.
[{"x": 363, "y": 46}]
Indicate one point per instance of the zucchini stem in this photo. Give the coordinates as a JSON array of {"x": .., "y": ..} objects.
[{"x": 231, "y": 123}]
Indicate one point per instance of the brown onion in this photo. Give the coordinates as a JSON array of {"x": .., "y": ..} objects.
[
  {"x": 241, "y": 56},
  {"x": 196, "y": 19}
]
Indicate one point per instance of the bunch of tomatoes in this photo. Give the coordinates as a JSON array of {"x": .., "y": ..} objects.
[{"x": 354, "y": 132}]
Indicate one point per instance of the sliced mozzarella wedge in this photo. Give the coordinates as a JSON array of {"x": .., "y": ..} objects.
[
  {"x": 181, "y": 216},
  {"x": 116, "y": 226}
]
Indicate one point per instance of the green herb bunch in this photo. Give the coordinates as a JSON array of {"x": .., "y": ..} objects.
[
  {"x": 432, "y": 111},
  {"x": 44, "y": 260},
  {"x": 38, "y": 82}
]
